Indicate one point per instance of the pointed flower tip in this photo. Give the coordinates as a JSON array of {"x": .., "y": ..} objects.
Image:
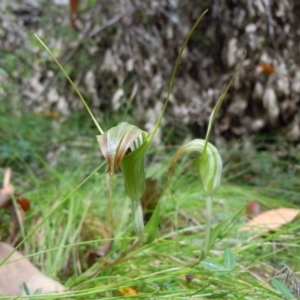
[
  {"x": 209, "y": 163},
  {"x": 210, "y": 168}
]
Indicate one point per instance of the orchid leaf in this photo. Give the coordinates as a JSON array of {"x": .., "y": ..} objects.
[
  {"x": 133, "y": 170},
  {"x": 152, "y": 226}
]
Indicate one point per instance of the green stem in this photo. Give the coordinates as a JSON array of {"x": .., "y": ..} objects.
[
  {"x": 111, "y": 174},
  {"x": 220, "y": 101},
  {"x": 173, "y": 75},
  {"x": 138, "y": 220},
  {"x": 209, "y": 201}
]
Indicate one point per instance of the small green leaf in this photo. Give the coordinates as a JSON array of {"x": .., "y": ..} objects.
[
  {"x": 214, "y": 234},
  {"x": 26, "y": 289},
  {"x": 37, "y": 292},
  {"x": 282, "y": 288},
  {"x": 229, "y": 259},
  {"x": 152, "y": 226},
  {"x": 213, "y": 266}
]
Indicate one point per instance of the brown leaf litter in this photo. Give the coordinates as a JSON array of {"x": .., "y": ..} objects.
[
  {"x": 271, "y": 220},
  {"x": 18, "y": 270}
]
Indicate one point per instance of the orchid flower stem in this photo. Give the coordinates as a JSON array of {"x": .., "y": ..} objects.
[
  {"x": 72, "y": 83},
  {"x": 209, "y": 201},
  {"x": 138, "y": 220},
  {"x": 110, "y": 199}
]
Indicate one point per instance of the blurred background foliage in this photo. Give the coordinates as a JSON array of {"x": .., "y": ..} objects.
[{"x": 120, "y": 54}]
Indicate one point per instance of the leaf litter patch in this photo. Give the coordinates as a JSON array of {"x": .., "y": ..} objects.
[
  {"x": 18, "y": 276},
  {"x": 271, "y": 220}
]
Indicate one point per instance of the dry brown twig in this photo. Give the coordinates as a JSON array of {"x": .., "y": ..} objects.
[
  {"x": 111, "y": 22},
  {"x": 7, "y": 188}
]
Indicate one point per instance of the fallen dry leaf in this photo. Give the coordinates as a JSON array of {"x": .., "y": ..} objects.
[
  {"x": 93, "y": 228},
  {"x": 267, "y": 68},
  {"x": 151, "y": 197},
  {"x": 7, "y": 201},
  {"x": 5, "y": 195},
  {"x": 253, "y": 208},
  {"x": 49, "y": 113},
  {"x": 17, "y": 208},
  {"x": 7, "y": 189},
  {"x": 18, "y": 270},
  {"x": 271, "y": 220},
  {"x": 23, "y": 202},
  {"x": 128, "y": 291}
]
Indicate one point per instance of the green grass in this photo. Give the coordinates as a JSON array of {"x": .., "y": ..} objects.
[{"x": 157, "y": 271}]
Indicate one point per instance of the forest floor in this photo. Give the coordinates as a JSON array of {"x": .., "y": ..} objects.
[{"x": 74, "y": 236}]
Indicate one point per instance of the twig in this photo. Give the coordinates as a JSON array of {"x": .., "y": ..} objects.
[
  {"x": 111, "y": 22},
  {"x": 6, "y": 179}
]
